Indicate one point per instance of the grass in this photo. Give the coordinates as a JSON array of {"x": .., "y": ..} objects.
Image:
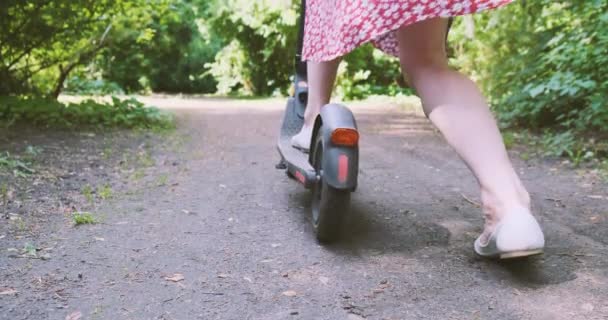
[
  {"x": 104, "y": 192},
  {"x": 604, "y": 170},
  {"x": 29, "y": 249},
  {"x": 107, "y": 153},
  {"x": 87, "y": 192},
  {"x": 139, "y": 174},
  {"x": 19, "y": 223},
  {"x": 162, "y": 180},
  {"x": 145, "y": 159},
  {"x": 4, "y": 193},
  {"x": 509, "y": 139},
  {"x": 31, "y": 152},
  {"x": 80, "y": 218}
]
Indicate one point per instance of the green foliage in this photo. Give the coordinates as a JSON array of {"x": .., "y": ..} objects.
[
  {"x": 84, "y": 86},
  {"x": 543, "y": 64},
  {"x": 367, "y": 71},
  {"x": 87, "y": 192},
  {"x": 4, "y": 193},
  {"x": 42, "y": 41},
  {"x": 260, "y": 41},
  {"x": 549, "y": 143},
  {"x": 139, "y": 45},
  {"x": 162, "y": 49},
  {"x": 30, "y": 250},
  {"x": 104, "y": 192},
  {"x": 260, "y": 45},
  {"x": 83, "y": 218},
  {"x": 128, "y": 113},
  {"x": 15, "y": 165}
]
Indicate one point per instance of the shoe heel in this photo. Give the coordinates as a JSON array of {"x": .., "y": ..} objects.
[{"x": 520, "y": 254}]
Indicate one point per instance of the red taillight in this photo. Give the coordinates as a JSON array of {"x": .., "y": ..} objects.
[{"x": 345, "y": 137}]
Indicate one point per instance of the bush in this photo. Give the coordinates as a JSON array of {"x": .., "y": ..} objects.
[
  {"x": 368, "y": 71},
  {"x": 161, "y": 50},
  {"x": 542, "y": 63},
  {"x": 83, "y": 86},
  {"x": 260, "y": 48},
  {"x": 128, "y": 113}
]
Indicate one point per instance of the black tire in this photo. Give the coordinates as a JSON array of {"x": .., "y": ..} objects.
[
  {"x": 290, "y": 175},
  {"x": 329, "y": 205}
]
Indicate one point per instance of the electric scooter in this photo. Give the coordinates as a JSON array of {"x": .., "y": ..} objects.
[{"x": 331, "y": 166}]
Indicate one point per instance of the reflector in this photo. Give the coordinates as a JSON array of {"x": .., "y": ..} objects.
[{"x": 345, "y": 137}]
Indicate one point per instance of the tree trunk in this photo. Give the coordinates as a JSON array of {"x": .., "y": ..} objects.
[
  {"x": 63, "y": 75},
  {"x": 80, "y": 59}
]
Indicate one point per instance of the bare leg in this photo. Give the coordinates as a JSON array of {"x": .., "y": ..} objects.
[
  {"x": 321, "y": 78},
  {"x": 457, "y": 108}
]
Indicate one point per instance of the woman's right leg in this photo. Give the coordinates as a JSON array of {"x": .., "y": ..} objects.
[{"x": 321, "y": 78}]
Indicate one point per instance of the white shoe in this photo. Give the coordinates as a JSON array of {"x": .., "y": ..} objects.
[
  {"x": 302, "y": 139},
  {"x": 516, "y": 235}
]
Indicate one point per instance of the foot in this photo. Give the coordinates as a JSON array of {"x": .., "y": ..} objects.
[
  {"x": 517, "y": 234},
  {"x": 302, "y": 139}
]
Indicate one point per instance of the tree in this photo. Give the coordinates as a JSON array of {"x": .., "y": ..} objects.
[{"x": 43, "y": 41}]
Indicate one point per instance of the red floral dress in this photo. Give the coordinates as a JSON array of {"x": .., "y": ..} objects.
[{"x": 333, "y": 28}]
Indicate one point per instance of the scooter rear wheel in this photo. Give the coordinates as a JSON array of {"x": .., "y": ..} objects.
[{"x": 329, "y": 205}]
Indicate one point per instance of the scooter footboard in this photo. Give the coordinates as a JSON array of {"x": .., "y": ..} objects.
[{"x": 340, "y": 158}]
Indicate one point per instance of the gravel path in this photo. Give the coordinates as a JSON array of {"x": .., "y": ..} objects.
[{"x": 212, "y": 231}]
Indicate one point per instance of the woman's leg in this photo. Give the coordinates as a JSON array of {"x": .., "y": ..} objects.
[
  {"x": 321, "y": 78},
  {"x": 457, "y": 108}
]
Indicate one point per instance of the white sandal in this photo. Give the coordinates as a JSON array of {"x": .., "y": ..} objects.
[
  {"x": 302, "y": 140},
  {"x": 516, "y": 235}
]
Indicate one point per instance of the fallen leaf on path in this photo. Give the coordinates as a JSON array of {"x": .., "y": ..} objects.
[
  {"x": 275, "y": 245},
  {"x": 248, "y": 279},
  {"x": 74, "y": 316},
  {"x": 222, "y": 276},
  {"x": 290, "y": 293},
  {"x": 175, "y": 278},
  {"x": 7, "y": 291}
]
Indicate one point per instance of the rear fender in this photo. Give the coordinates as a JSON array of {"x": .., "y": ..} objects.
[{"x": 340, "y": 163}]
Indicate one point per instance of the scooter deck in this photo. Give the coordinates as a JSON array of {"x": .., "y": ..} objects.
[{"x": 295, "y": 160}]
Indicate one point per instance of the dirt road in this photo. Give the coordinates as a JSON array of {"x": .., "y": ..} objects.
[{"x": 201, "y": 226}]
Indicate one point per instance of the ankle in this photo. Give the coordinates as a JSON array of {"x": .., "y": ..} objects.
[
  {"x": 496, "y": 205},
  {"x": 313, "y": 108}
]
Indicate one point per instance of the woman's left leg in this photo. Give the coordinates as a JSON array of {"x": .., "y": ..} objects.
[{"x": 457, "y": 108}]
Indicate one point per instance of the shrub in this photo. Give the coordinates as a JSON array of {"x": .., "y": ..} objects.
[{"x": 128, "y": 113}]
